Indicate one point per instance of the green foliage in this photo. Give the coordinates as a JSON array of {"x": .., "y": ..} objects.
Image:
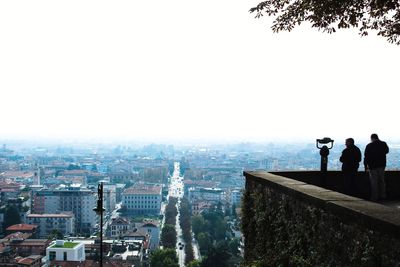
[
  {"x": 217, "y": 256},
  {"x": 234, "y": 246},
  {"x": 194, "y": 263},
  {"x": 215, "y": 224},
  {"x": 185, "y": 223},
  {"x": 171, "y": 211},
  {"x": 11, "y": 217},
  {"x": 168, "y": 236},
  {"x": 204, "y": 240},
  {"x": 382, "y": 16},
  {"x": 189, "y": 253},
  {"x": 198, "y": 224},
  {"x": 55, "y": 234},
  {"x": 164, "y": 258}
]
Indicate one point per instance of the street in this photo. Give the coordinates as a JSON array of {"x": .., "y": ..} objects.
[{"x": 176, "y": 190}]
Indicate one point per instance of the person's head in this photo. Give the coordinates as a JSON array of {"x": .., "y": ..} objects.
[
  {"x": 374, "y": 137},
  {"x": 349, "y": 142}
]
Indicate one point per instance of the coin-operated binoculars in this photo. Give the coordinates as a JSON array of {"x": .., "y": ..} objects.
[{"x": 322, "y": 145}]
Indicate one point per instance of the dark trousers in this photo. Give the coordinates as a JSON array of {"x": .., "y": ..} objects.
[{"x": 350, "y": 182}]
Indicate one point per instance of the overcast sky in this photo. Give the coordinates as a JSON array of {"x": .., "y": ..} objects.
[{"x": 187, "y": 70}]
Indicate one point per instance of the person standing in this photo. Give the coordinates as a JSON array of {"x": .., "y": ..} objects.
[
  {"x": 375, "y": 163},
  {"x": 351, "y": 157}
]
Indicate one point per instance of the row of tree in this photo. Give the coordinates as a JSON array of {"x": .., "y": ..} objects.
[
  {"x": 168, "y": 232},
  {"x": 217, "y": 244},
  {"x": 164, "y": 258},
  {"x": 185, "y": 223}
]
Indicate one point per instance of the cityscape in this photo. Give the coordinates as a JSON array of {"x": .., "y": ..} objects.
[
  {"x": 159, "y": 200},
  {"x": 208, "y": 133}
]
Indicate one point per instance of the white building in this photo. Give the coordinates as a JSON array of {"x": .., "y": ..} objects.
[
  {"x": 206, "y": 194},
  {"x": 142, "y": 199},
  {"x": 61, "y": 250},
  {"x": 63, "y": 222},
  {"x": 236, "y": 196}
]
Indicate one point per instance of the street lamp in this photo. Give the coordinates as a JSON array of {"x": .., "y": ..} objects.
[
  {"x": 324, "y": 152},
  {"x": 99, "y": 211}
]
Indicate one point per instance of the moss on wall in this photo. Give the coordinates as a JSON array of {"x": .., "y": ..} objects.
[{"x": 281, "y": 230}]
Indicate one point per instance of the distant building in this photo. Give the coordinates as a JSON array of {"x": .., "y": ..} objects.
[
  {"x": 197, "y": 183},
  {"x": 199, "y": 206},
  {"x": 26, "y": 247},
  {"x": 9, "y": 190},
  {"x": 22, "y": 228},
  {"x": 119, "y": 189},
  {"x": 152, "y": 228},
  {"x": 24, "y": 177},
  {"x": 61, "y": 250},
  {"x": 206, "y": 194},
  {"x": 236, "y": 196},
  {"x": 109, "y": 197},
  {"x": 142, "y": 199},
  {"x": 78, "y": 200},
  {"x": 31, "y": 261},
  {"x": 119, "y": 226},
  {"x": 63, "y": 222}
]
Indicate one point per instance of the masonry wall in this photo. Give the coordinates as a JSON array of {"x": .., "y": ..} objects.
[
  {"x": 334, "y": 180},
  {"x": 286, "y": 222}
]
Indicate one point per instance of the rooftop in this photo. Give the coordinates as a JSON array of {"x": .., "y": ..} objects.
[
  {"x": 22, "y": 227},
  {"x": 65, "y": 244},
  {"x": 143, "y": 190},
  {"x": 50, "y": 215},
  {"x": 18, "y": 235}
]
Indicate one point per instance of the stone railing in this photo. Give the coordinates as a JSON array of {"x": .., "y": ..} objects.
[{"x": 286, "y": 222}]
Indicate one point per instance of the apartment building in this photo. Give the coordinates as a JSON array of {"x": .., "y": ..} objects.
[
  {"x": 63, "y": 222},
  {"x": 78, "y": 200},
  {"x": 142, "y": 199}
]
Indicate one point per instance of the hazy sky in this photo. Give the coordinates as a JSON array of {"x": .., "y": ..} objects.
[{"x": 187, "y": 70}]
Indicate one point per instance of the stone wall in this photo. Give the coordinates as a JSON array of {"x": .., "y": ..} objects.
[
  {"x": 334, "y": 180},
  {"x": 287, "y": 222}
]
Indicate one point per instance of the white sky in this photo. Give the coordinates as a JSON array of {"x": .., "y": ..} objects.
[{"x": 187, "y": 70}]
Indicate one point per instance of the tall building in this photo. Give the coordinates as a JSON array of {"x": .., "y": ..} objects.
[
  {"x": 63, "y": 222},
  {"x": 142, "y": 199},
  {"x": 109, "y": 197},
  {"x": 80, "y": 201}
]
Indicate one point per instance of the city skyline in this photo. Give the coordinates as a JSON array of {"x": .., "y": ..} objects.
[{"x": 184, "y": 72}]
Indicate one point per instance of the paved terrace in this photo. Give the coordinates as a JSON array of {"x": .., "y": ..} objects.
[{"x": 298, "y": 219}]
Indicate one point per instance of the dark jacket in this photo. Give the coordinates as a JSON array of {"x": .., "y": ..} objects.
[
  {"x": 375, "y": 154},
  {"x": 351, "y": 157}
]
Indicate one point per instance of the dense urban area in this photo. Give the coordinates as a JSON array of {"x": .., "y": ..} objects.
[{"x": 164, "y": 205}]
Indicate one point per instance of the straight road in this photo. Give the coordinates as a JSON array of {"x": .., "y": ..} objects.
[{"x": 176, "y": 190}]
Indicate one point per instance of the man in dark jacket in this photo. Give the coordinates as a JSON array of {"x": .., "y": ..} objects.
[
  {"x": 351, "y": 157},
  {"x": 375, "y": 163}
]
